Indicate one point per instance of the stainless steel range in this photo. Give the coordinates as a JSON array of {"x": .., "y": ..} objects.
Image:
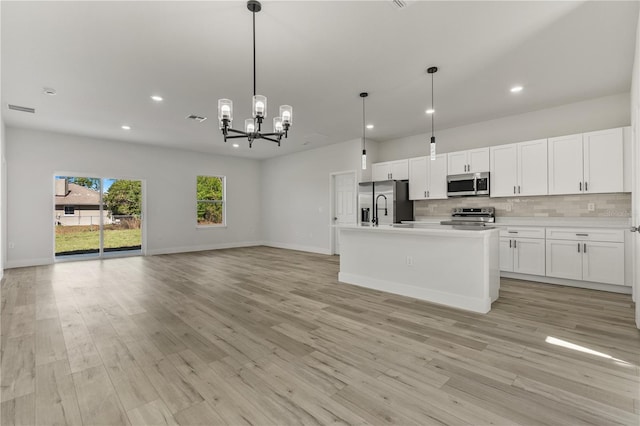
[{"x": 472, "y": 217}]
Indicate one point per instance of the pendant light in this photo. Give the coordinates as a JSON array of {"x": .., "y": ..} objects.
[
  {"x": 253, "y": 126},
  {"x": 364, "y": 141},
  {"x": 432, "y": 71}
]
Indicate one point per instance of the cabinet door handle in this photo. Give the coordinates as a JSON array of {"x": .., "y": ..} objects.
[
  {"x": 509, "y": 243},
  {"x": 514, "y": 189},
  {"x": 578, "y": 247},
  {"x": 512, "y": 232},
  {"x": 427, "y": 194},
  {"x": 518, "y": 189},
  {"x": 586, "y": 186},
  {"x": 515, "y": 243},
  {"x": 580, "y": 186},
  {"x": 584, "y": 248}
]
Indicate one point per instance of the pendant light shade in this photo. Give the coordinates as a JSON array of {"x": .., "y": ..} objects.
[
  {"x": 432, "y": 144},
  {"x": 364, "y": 140}
]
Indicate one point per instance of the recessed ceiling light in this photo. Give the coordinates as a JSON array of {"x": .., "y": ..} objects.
[
  {"x": 369, "y": 126},
  {"x": 235, "y": 145},
  {"x": 516, "y": 89},
  {"x": 430, "y": 111},
  {"x": 49, "y": 91},
  {"x": 125, "y": 127},
  {"x": 156, "y": 98}
]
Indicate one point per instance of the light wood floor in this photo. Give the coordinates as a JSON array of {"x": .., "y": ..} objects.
[{"x": 266, "y": 336}]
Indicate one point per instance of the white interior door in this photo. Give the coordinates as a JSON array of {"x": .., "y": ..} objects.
[{"x": 344, "y": 204}]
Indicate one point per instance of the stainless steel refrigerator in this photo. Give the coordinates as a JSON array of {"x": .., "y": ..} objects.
[{"x": 388, "y": 201}]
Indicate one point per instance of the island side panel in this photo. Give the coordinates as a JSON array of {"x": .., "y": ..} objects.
[{"x": 452, "y": 269}]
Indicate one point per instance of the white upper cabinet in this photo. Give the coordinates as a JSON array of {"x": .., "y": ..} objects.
[
  {"x": 428, "y": 178},
  {"x": 470, "y": 161},
  {"x": 478, "y": 160},
  {"x": 418, "y": 180},
  {"x": 390, "y": 170},
  {"x": 519, "y": 169},
  {"x": 603, "y": 161},
  {"x": 504, "y": 170},
  {"x": 586, "y": 163}
]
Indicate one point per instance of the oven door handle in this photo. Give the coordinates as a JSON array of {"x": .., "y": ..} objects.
[{"x": 475, "y": 185}]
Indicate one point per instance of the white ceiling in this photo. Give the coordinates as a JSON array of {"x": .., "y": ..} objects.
[{"x": 106, "y": 58}]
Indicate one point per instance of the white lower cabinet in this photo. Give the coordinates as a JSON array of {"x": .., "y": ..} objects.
[
  {"x": 520, "y": 254},
  {"x": 577, "y": 254}
]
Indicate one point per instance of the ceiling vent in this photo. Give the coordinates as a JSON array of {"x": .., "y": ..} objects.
[
  {"x": 21, "y": 108},
  {"x": 197, "y": 118},
  {"x": 401, "y": 4}
]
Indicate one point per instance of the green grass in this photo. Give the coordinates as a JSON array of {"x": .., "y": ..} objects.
[{"x": 85, "y": 239}]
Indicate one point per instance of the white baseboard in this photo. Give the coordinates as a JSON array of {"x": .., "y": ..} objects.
[
  {"x": 570, "y": 283},
  {"x": 473, "y": 304},
  {"x": 311, "y": 249},
  {"x": 21, "y": 263},
  {"x": 186, "y": 249}
]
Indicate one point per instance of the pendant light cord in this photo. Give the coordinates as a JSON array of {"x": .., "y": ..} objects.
[{"x": 254, "y": 52}]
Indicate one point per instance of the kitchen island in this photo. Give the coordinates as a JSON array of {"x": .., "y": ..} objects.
[{"x": 453, "y": 267}]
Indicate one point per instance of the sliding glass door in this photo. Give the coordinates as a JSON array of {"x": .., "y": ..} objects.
[{"x": 97, "y": 217}]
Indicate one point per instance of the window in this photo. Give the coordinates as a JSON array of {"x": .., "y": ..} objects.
[
  {"x": 211, "y": 200},
  {"x": 69, "y": 210}
]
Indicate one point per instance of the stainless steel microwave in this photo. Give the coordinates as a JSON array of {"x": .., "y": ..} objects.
[{"x": 468, "y": 184}]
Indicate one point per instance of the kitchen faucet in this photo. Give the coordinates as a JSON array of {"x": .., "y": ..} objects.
[{"x": 376, "y": 219}]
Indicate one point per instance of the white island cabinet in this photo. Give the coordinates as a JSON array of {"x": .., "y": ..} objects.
[{"x": 457, "y": 268}]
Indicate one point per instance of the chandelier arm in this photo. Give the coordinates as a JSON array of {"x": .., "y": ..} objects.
[
  {"x": 272, "y": 134},
  {"x": 245, "y": 135},
  {"x": 237, "y": 131},
  {"x": 270, "y": 139}
]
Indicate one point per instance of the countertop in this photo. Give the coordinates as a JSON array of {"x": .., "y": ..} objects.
[
  {"x": 408, "y": 228},
  {"x": 563, "y": 222}
]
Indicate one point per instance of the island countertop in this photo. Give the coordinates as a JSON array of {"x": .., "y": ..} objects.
[{"x": 425, "y": 230}]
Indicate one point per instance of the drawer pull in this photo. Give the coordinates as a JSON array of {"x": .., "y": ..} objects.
[
  {"x": 513, "y": 232},
  {"x": 582, "y": 235}
]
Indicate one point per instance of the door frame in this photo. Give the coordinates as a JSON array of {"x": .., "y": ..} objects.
[
  {"x": 332, "y": 195},
  {"x": 101, "y": 254}
]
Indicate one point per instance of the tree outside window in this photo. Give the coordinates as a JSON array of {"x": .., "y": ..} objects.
[{"x": 210, "y": 200}]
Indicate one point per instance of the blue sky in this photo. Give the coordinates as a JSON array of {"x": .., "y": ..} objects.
[{"x": 105, "y": 182}]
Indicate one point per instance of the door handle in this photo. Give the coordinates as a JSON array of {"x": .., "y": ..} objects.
[
  {"x": 509, "y": 243},
  {"x": 515, "y": 243},
  {"x": 634, "y": 229},
  {"x": 514, "y": 189},
  {"x": 585, "y": 248},
  {"x": 335, "y": 218},
  {"x": 427, "y": 194},
  {"x": 578, "y": 247},
  {"x": 518, "y": 189},
  {"x": 586, "y": 186},
  {"x": 581, "y": 186}
]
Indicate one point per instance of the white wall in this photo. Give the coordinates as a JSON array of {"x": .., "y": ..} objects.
[
  {"x": 594, "y": 114},
  {"x": 635, "y": 196},
  {"x": 296, "y": 194},
  {"x": 33, "y": 157}
]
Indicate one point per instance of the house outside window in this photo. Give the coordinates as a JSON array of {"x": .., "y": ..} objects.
[
  {"x": 69, "y": 210},
  {"x": 210, "y": 204}
]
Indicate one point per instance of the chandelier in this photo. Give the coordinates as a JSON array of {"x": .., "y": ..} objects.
[{"x": 253, "y": 126}]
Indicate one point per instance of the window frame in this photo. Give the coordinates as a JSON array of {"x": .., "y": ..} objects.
[
  {"x": 73, "y": 212},
  {"x": 222, "y": 202}
]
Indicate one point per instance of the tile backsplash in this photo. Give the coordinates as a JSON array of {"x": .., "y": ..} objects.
[{"x": 605, "y": 205}]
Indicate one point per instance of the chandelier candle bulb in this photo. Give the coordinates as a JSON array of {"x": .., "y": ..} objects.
[
  {"x": 259, "y": 106},
  {"x": 286, "y": 112},
  {"x": 249, "y": 125},
  {"x": 364, "y": 159},
  {"x": 277, "y": 124}
]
